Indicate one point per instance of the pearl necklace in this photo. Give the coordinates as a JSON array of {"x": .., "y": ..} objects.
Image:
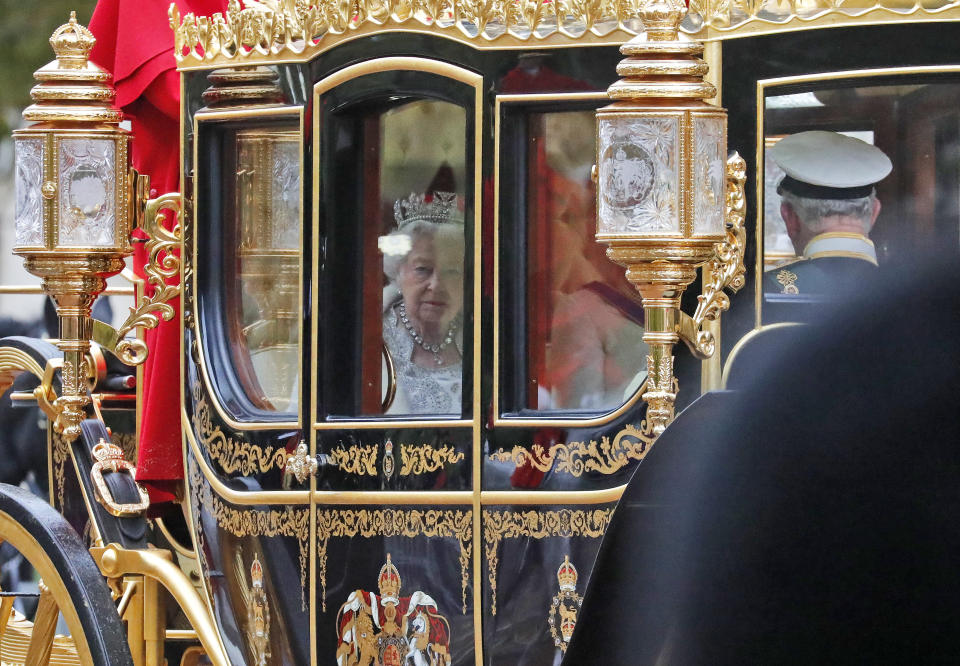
[{"x": 433, "y": 349}]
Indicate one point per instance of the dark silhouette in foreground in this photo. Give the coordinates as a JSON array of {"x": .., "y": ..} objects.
[{"x": 808, "y": 516}]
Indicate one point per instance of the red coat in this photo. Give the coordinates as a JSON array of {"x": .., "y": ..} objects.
[{"x": 135, "y": 43}]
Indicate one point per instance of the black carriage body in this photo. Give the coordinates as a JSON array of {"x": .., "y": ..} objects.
[
  {"x": 455, "y": 502},
  {"x": 450, "y": 523}
]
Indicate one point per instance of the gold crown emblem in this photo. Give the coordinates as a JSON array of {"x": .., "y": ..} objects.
[
  {"x": 72, "y": 43},
  {"x": 436, "y": 207},
  {"x": 256, "y": 572},
  {"x": 567, "y": 575},
  {"x": 389, "y": 581}
]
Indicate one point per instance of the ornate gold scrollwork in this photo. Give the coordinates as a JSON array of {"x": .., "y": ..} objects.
[
  {"x": 232, "y": 455},
  {"x": 727, "y": 270},
  {"x": 162, "y": 265},
  {"x": 424, "y": 458},
  {"x": 575, "y": 458},
  {"x": 356, "y": 459},
  {"x": 533, "y": 524},
  {"x": 367, "y": 523}
]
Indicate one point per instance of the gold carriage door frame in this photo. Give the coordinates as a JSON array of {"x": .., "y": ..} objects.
[{"x": 467, "y": 500}]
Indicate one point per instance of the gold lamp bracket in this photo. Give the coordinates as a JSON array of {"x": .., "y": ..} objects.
[
  {"x": 163, "y": 263},
  {"x": 726, "y": 271}
]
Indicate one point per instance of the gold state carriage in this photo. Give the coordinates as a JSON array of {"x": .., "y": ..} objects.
[{"x": 412, "y": 386}]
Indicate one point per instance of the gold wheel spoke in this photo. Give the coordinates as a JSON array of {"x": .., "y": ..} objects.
[{"x": 44, "y": 629}]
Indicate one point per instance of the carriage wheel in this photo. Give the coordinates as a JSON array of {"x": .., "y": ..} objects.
[{"x": 72, "y": 586}]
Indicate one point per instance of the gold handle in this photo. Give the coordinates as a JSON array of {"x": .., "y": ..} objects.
[{"x": 391, "y": 380}]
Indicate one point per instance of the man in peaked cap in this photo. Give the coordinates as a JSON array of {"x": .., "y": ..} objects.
[{"x": 829, "y": 205}]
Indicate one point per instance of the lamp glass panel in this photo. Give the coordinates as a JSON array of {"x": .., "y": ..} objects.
[
  {"x": 709, "y": 170},
  {"x": 639, "y": 159},
  {"x": 29, "y": 209},
  {"x": 87, "y": 172}
]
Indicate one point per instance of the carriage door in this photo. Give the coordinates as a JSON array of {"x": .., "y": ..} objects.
[{"x": 395, "y": 330}]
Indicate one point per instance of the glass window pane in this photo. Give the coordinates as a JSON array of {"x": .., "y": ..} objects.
[
  {"x": 394, "y": 205},
  {"x": 584, "y": 320},
  {"x": 263, "y": 300},
  {"x": 420, "y": 242},
  {"x": 817, "y": 246}
]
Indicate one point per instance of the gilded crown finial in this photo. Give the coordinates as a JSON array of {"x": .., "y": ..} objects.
[
  {"x": 72, "y": 43},
  {"x": 661, "y": 19}
]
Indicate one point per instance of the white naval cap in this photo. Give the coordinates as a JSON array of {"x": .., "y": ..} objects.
[{"x": 827, "y": 165}]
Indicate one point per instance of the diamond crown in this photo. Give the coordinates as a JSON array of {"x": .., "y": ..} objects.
[{"x": 436, "y": 207}]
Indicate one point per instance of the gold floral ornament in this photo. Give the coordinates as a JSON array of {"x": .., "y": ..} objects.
[
  {"x": 232, "y": 455},
  {"x": 533, "y": 524},
  {"x": 576, "y": 458},
  {"x": 301, "y": 465},
  {"x": 424, "y": 458}
]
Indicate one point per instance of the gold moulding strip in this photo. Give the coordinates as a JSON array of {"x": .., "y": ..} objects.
[
  {"x": 575, "y": 458},
  {"x": 252, "y": 32},
  {"x": 368, "y": 523},
  {"x": 720, "y": 18},
  {"x": 271, "y": 30},
  {"x": 532, "y": 524}
]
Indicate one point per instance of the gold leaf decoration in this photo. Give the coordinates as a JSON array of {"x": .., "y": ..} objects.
[
  {"x": 360, "y": 460},
  {"x": 533, "y": 524},
  {"x": 232, "y": 455},
  {"x": 367, "y": 523},
  {"x": 575, "y": 458},
  {"x": 423, "y": 458}
]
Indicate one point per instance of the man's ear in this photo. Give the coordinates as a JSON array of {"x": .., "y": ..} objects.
[
  {"x": 873, "y": 216},
  {"x": 792, "y": 220}
]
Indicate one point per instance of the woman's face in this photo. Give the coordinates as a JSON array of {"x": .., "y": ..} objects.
[{"x": 431, "y": 280}]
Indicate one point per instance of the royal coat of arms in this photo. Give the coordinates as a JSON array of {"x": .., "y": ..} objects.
[{"x": 390, "y": 630}]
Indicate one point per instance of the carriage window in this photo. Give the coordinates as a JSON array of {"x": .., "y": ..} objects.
[
  {"x": 584, "y": 320},
  {"x": 262, "y": 260},
  {"x": 409, "y": 333},
  {"x": 815, "y": 244}
]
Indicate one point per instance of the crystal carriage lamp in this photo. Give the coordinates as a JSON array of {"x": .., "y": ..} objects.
[
  {"x": 77, "y": 199},
  {"x": 668, "y": 200}
]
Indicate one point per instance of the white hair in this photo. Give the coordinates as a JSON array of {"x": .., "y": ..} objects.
[
  {"x": 812, "y": 212},
  {"x": 397, "y": 244}
]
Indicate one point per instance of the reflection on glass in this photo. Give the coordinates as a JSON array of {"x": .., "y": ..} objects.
[
  {"x": 638, "y": 157},
  {"x": 86, "y": 192},
  {"x": 584, "y": 320},
  {"x": 421, "y": 241},
  {"x": 916, "y": 124},
  {"x": 29, "y": 164},
  {"x": 268, "y": 266}
]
